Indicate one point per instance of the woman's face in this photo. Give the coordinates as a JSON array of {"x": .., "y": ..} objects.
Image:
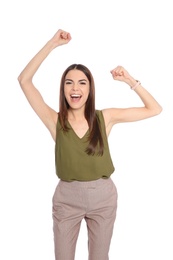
[{"x": 76, "y": 89}]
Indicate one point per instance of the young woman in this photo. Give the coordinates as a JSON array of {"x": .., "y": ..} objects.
[{"x": 83, "y": 162}]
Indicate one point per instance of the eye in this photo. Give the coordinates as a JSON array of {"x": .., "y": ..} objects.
[
  {"x": 82, "y": 82},
  {"x": 68, "y": 82}
]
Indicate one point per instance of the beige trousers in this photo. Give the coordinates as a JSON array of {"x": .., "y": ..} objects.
[{"x": 94, "y": 201}]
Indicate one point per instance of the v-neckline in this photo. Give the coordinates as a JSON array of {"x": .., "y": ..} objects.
[{"x": 80, "y": 138}]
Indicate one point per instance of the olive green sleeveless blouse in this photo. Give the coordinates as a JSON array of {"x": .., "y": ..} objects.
[{"x": 73, "y": 163}]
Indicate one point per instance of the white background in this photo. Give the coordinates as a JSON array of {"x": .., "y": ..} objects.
[{"x": 134, "y": 34}]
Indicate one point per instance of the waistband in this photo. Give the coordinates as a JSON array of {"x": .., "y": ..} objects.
[{"x": 86, "y": 184}]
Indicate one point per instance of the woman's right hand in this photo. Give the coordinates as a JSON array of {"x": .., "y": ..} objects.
[{"x": 61, "y": 37}]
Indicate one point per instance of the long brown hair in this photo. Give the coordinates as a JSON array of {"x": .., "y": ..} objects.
[{"x": 95, "y": 137}]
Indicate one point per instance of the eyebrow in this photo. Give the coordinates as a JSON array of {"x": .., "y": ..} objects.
[{"x": 72, "y": 80}]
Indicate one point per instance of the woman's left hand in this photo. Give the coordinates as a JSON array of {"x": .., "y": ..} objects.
[{"x": 119, "y": 73}]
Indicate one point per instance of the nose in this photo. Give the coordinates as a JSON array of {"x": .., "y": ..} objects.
[{"x": 75, "y": 86}]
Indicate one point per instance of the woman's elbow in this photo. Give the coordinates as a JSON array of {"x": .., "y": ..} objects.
[
  {"x": 19, "y": 79},
  {"x": 22, "y": 81},
  {"x": 158, "y": 110}
]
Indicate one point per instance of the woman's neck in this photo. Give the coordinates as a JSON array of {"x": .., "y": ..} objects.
[{"x": 76, "y": 115}]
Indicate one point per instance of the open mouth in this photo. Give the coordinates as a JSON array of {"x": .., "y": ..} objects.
[{"x": 75, "y": 97}]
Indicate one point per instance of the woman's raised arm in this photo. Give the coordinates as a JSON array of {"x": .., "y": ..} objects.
[
  {"x": 45, "y": 113},
  {"x": 118, "y": 115}
]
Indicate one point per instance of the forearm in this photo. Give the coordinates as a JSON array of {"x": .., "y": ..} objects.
[
  {"x": 31, "y": 68},
  {"x": 148, "y": 100},
  {"x": 152, "y": 106}
]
